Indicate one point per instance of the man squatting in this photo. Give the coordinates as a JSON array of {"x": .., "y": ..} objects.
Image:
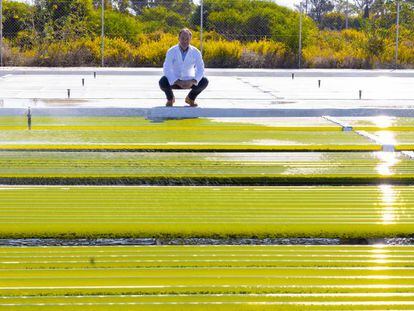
[{"x": 183, "y": 69}]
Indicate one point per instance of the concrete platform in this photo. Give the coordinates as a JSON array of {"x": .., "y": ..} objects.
[{"x": 231, "y": 93}]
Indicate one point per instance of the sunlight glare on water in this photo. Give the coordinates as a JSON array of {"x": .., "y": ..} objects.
[
  {"x": 386, "y": 137},
  {"x": 383, "y": 121},
  {"x": 387, "y": 161},
  {"x": 379, "y": 254},
  {"x": 388, "y": 199}
]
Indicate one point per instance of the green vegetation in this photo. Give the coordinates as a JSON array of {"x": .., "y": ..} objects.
[
  {"x": 404, "y": 140},
  {"x": 203, "y": 168},
  {"x": 91, "y": 212},
  {"x": 380, "y": 123},
  {"x": 94, "y": 123},
  {"x": 238, "y": 33},
  {"x": 106, "y": 133},
  {"x": 390, "y": 130},
  {"x": 207, "y": 277}
]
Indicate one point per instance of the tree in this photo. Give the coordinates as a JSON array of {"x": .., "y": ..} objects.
[
  {"x": 54, "y": 10},
  {"x": 250, "y": 20},
  {"x": 139, "y": 5},
  {"x": 182, "y": 7},
  {"x": 364, "y": 6},
  {"x": 318, "y": 8},
  {"x": 385, "y": 12},
  {"x": 17, "y": 17},
  {"x": 160, "y": 18},
  {"x": 122, "y": 5},
  {"x": 345, "y": 6},
  {"x": 98, "y": 3},
  {"x": 125, "y": 26},
  {"x": 62, "y": 19}
]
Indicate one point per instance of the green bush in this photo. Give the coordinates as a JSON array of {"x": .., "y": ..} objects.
[
  {"x": 83, "y": 52},
  {"x": 336, "y": 21},
  {"x": 222, "y": 54},
  {"x": 119, "y": 53},
  {"x": 337, "y": 49},
  {"x": 118, "y": 25},
  {"x": 161, "y": 19},
  {"x": 152, "y": 49},
  {"x": 26, "y": 40},
  {"x": 230, "y": 24},
  {"x": 251, "y": 20},
  {"x": 265, "y": 54},
  {"x": 58, "y": 10},
  {"x": 405, "y": 49},
  {"x": 12, "y": 56},
  {"x": 67, "y": 33},
  {"x": 17, "y": 17}
]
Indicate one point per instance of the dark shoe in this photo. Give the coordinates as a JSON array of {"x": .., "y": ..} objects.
[
  {"x": 191, "y": 102},
  {"x": 170, "y": 102}
]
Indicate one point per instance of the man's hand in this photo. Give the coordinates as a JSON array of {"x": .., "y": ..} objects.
[{"x": 186, "y": 84}]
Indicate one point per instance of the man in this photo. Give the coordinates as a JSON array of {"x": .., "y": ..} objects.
[{"x": 183, "y": 69}]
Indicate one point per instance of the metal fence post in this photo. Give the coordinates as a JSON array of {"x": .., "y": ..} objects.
[
  {"x": 1, "y": 33},
  {"x": 397, "y": 33},
  {"x": 103, "y": 33},
  {"x": 347, "y": 14},
  {"x": 201, "y": 24},
  {"x": 300, "y": 36}
]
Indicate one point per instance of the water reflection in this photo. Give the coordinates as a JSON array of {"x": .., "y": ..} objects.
[
  {"x": 386, "y": 137},
  {"x": 388, "y": 200},
  {"x": 393, "y": 205},
  {"x": 387, "y": 161},
  {"x": 380, "y": 255},
  {"x": 383, "y": 121}
]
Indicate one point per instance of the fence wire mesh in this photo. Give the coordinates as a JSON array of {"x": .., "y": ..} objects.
[{"x": 231, "y": 33}]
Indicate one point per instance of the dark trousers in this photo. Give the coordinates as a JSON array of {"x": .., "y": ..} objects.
[{"x": 195, "y": 89}]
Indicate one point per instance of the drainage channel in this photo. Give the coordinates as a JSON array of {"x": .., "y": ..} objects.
[
  {"x": 201, "y": 241},
  {"x": 209, "y": 181}
]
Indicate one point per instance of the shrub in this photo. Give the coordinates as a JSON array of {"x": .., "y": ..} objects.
[
  {"x": 12, "y": 55},
  {"x": 161, "y": 19},
  {"x": 248, "y": 20},
  {"x": 152, "y": 49},
  {"x": 118, "y": 25},
  {"x": 56, "y": 11},
  {"x": 26, "y": 39},
  {"x": 16, "y": 18},
  {"x": 336, "y": 21},
  {"x": 265, "y": 54},
  {"x": 230, "y": 24},
  {"x": 222, "y": 54},
  {"x": 83, "y": 52},
  {"x": 406, "y": 53},
  {"x": 118, "y": 52},
  {"x": 334, "y": 49},
  {"x": 405, "y": 50}
]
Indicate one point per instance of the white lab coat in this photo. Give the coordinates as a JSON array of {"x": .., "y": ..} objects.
[{"x": 191, "y": 68}]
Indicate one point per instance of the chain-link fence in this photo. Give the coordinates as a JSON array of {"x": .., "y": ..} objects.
[{"x": 230, "y": 33}]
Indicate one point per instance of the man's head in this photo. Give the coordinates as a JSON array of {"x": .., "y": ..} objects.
[{"x": 185, "y": 38}]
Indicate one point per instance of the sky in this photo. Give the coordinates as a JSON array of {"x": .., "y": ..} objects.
[{"x": 288, "y": 3}]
